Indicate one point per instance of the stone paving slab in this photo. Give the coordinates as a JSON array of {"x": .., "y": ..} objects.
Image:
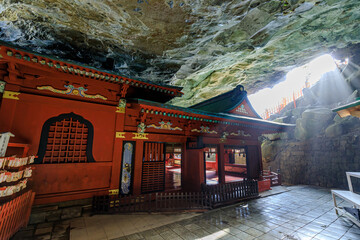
[
  {"x": 296, "y": 212},
  {"x": 301, "y": 212}
]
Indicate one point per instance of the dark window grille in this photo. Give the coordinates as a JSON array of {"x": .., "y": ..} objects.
[{"x": 66, "y": 139}]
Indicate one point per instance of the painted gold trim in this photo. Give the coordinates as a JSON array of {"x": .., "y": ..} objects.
[
  {"x": 11, "y": 95},
  {"x": 113, "y": 191},
  {"x": 120, "y": 135},
  {"x": 120, "y": 110},
  {"x": 140, "y": 136},
  {"x": 222, "y": 140}
]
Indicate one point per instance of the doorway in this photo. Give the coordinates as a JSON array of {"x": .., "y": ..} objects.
[
  {"x": 173, "y": 160},
  {"x": 235, "y": 158},
  {"x": 211, "y": 164},
  {"x": 161, "y": 168}
]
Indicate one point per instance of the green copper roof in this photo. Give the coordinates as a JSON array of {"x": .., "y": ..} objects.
[
  {"x": 225, "y": 102},
  {"x": 350, "y": 105},
  {"x": 225, "y": 116}
]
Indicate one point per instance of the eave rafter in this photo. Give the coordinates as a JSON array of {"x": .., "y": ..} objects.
[{"x": 193, "y": 117}]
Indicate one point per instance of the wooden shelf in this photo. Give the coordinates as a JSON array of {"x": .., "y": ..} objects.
[
  {"x": 353, "y": 174},
  {"x": 348, "y": 196},
  {"x": 20, "y": 145},
  {"x": 348, "y": 176}
]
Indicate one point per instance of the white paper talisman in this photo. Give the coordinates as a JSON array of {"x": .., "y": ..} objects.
[{"x": 4, "y": 140}]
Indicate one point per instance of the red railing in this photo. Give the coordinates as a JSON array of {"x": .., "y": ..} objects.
[
  {"x": 15, "y": 214},
  {"x": 275, "y": 178},
  {"x": 285, "y": 101}
]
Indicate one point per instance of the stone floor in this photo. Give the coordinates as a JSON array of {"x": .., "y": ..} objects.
[{"x": 302, "y": 212}]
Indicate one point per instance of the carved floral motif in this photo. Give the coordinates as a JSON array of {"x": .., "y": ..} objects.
[
  {"x": 164, "y": 126},
  {"x": 71, "y": 90},
  {"x": 240, "y": 133},
  {"x": 2, "y": 86},
  {"x": 241, "y": 109},
  {"x": 121, "y": 106},
  {"x": 141, "y": 128},
  {"x": 204, "y": 129},
  {"x": 224, "y": 137}
]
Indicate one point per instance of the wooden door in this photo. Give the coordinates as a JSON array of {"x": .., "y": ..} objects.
[
  {"x": 153, "y": 167},
  {"x": 253, "y": 162}
]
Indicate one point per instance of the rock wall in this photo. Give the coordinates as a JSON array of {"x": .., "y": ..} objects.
[
  {"x": 322, "y": 146},
  {"x": 320, "y": 161}
]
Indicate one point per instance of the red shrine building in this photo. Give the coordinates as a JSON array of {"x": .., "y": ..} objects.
[{"x": 94, "y": 131}]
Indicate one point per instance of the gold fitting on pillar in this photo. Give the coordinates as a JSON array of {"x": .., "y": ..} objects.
[{"x": 11, "y": 95}]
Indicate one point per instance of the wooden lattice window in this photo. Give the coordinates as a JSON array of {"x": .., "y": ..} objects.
[
  {"x": 66, "y": 139},
  {"x": 153, "y": 167}
]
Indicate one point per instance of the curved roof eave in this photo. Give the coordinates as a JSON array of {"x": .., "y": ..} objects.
[
  {"x": 72, "y": 62},
  {"x": 218, "y": 115}
]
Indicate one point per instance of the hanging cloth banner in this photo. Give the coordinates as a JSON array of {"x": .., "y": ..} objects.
[
  {"x": 4, "y": 141},
  {"x": 127, "y": 168}
]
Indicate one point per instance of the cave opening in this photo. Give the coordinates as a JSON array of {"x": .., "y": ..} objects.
[{"x": 323, "y": 72}]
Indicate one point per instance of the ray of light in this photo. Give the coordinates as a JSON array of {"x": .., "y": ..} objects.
[{"x": 298, "y": 78}]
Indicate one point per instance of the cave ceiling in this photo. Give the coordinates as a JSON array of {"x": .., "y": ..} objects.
[{"x": 205, "y": 46}]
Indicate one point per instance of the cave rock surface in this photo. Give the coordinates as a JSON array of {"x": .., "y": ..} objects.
[{"x": 207, "y": 47}]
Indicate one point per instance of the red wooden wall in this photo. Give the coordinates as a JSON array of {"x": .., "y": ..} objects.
[{"x": 61, "y": 180}]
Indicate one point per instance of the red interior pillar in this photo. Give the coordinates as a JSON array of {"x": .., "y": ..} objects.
[
  {"x": 184, "y": 164},
  {"x": 221, "y": 164},
  {"x": 139, "y": 148}
]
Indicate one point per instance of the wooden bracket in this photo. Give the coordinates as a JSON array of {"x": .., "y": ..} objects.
[
  {"x": 143, "y": 117},
  {"x": 124, "y": 89},
  {"x": 13, "y": 72}
]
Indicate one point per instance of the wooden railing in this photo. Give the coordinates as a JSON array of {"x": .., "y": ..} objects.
[
  {"x": 221, "y": 194},
  {"x": 152, "y": 202},
  {"x": 208, "y": 198},
  {"x": 15, "y": 214}
]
